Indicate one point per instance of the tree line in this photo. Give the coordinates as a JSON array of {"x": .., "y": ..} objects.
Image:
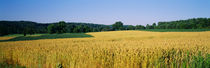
[
  {"x": 28, "y": 27},
  {"x": 63, "y": 27},
  {"x": 195, "y": 23}
]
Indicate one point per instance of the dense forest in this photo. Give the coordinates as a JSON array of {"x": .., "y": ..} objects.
[
  {"x": 29, "y": 27},
  {"x": 195, "y": 23}
]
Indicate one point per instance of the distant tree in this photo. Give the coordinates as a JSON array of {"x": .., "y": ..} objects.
[
  {"x": 51, "y": 29},
  {"x": 195, "y": 23},
  {"x": 28, "y": 30},
  {"x": 3, "y": 30},
  {"x": 61, "y": 27},
  {"x": 131, "y": 27},
  {"x": 118, "y": 26},
  {"x": 148, "y": 26},
  {"x": 107, "y": 28},
  {"x": 208, "y": 24},
  {"x": 79, "y": 29},
  {"x": 70, "y": 28},
  {"x": 95, "y": 30},
  {"x": 19, "y": 27},
  {"x": 25, "y": 31},
  {"x": 154, "y": 26},
  {"x": 140, "y": 27},
  {"x": 87, "y": 29},
  {"x": 76, "y": 30},
  {"x": 161, "y": 25}
]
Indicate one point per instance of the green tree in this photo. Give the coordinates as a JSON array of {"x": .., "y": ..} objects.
[
  {"x": 148, "y": 26},
  {"x": 118, "y": 26},
  {"x": 29, "y": 30},
  {"x": 51, "y": 29},
  {"x": 25, "y": 31},
  {"x": 61, "y": 27},
  {"x": 131, "y": 27},
  {"x": 80, "y": 29},
  {"x": 139, "y": 27},
  {"x": 154, "y": 26},
  {"x": 70, "y": 28},
  {"x": 107, "y": 28},
  {"x": 3, "y": 30},
  {"x": 86, "y": 29}
]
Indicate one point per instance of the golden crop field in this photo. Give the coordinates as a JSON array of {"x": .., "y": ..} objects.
[{"x": 114, "y": 49}]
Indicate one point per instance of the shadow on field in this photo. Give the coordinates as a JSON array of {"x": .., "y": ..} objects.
[{"x": 49, "y": 36}]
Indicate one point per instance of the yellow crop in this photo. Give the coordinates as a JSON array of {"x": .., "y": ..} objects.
[{"x": 114, "y": 49}]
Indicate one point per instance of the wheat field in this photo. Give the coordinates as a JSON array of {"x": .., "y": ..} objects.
[{"x": 113, "y": 49}]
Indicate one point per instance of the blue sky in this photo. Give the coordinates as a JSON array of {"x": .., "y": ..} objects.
[{"x": 130, "y": 12}]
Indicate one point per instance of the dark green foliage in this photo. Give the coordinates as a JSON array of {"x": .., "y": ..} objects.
[
  {"x": 21, "y": 27},
  {"x": 195, "y": 23},
  {"x": 49, "y": 36},
  {"x": 70, "y": 28},
  {"x": 154, "y": 26},
  {"x": 107, "y": 28},
  {"x": 51, "y": 29},
  {"x": 130, "y": 27},
  {"x": 24, "y": 33},
  {"x": 118, "y": 26},
  {"x": 3, "y": 30},
  {"x": 29, "y": 30},
  {"x": 149, "y": 26},
  {"x": 59, "y": 27},
  {"x": 82, "y": 29},
  {"x": 28, "y": 27},
  {"x": 139, "y": 27},
  {"x": 85, "y": 27}
]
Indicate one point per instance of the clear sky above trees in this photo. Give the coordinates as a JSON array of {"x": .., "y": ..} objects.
[{"x": 107, "y": 12}]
